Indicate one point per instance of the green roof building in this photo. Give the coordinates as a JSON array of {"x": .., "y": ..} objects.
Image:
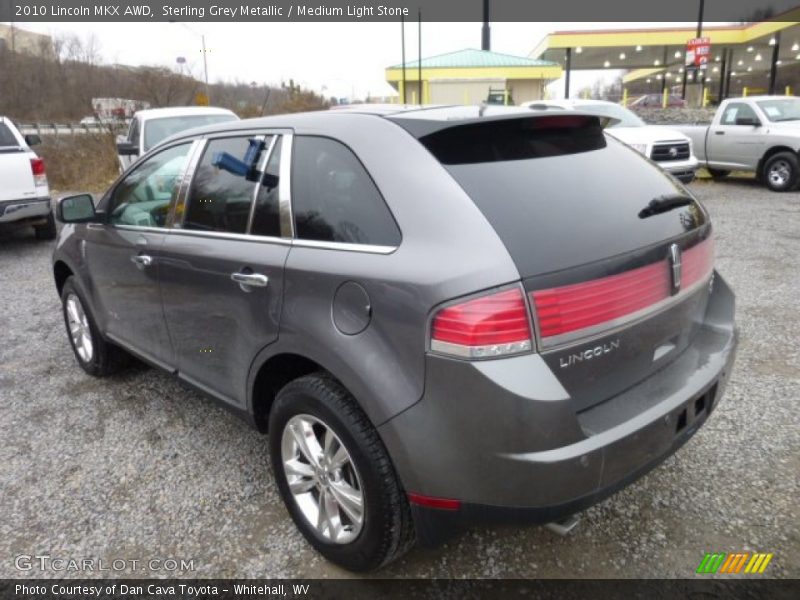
[{"x": 468, "y": 76}]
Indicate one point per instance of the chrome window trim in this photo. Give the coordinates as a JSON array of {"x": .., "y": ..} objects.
[
  {"x": 285, "y": 188},
  {"x": 262, "y": 166},
  {"x": 241, "y": 237},
  {"x": 589, "y": 334},
  {"x": 344, "y": 246}
]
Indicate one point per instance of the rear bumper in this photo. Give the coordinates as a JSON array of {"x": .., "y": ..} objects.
[
  {"x": 502, "y": 436},
  {"x": 23, "y": 209}
]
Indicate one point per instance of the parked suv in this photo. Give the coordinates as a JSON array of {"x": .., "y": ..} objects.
[{"x": 439, "y": 315}]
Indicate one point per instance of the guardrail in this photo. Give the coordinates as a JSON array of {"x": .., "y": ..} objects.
[{"x": 71, "y": 128}]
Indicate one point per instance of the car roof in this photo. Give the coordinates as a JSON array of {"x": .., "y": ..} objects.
[
  {"x": 417, "y": 120},
  {"x": 182, "y": 111}
]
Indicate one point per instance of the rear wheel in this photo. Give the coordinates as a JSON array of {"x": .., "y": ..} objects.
[
  {"x": 781, "y": 172},
  {"x": 335, "y": 475},
  {"x": 46, "y": 231},
  {"x": 94, "y": 354},
  {"x": 718, "y": 173}
]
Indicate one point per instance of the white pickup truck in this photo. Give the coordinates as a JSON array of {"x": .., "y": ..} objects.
[
  {"x": 760, "y": 134},
  {"x": 24, "y": 193}
]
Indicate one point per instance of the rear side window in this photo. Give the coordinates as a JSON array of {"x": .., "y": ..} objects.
[
  {"x": 220, "y": 199},
  {"x": 516, "y": 139},
  {"x": 6, "y": 137},
  {"x": 333, "y": 197}
]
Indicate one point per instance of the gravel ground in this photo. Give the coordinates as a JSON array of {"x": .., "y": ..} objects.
[{"x": 139, "y": 467}]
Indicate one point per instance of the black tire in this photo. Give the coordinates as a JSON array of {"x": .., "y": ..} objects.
[
  {"x": 718, "y": 173},
  {"x": 387, "y": 531},
  {"x": 47, "y": 231},
  {"x": 781, "y": 171},
  {"x": 106, "y": 358}
]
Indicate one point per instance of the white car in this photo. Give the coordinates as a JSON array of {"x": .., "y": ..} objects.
[
  {"x": 670, "y": 149},
  {"x": 149, "y": 127},
  {"x": 24, "y": 193}
]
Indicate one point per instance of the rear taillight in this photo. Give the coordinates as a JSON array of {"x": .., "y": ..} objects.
[
  {"x": 602, "y": 303},
  {"x": 493, "y": 325},
  {"x": 39, "y": 175}
]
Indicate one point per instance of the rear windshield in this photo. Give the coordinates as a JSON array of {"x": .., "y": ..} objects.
[
  {"x": 156, "y": 130},
  {"x": 557, "y": 191},
  {"x": 515, "y": 139},
  {"x": 6, "y": 137}
]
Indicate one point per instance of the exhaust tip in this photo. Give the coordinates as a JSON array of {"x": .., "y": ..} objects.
[{"x": 564, "y": 526}]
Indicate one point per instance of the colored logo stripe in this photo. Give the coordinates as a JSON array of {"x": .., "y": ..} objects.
[{"x": 720, "y": 562}]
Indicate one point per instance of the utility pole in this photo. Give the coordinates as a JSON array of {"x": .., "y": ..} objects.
[
  {"x": 419, "y": 50},
  {"x": 205, "y": 67},
  {"x": 486, "y": 41},
  {"x": 403, "y": 51}
]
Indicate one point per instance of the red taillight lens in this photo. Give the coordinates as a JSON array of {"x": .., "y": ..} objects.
[
  {"x": 493, "y": 325},
  {"x": 431, "y": 502},
  {"x": 697, "y": 263},
  {"x": 572, "y": 308},
  {"x": 37, "y": 168}
]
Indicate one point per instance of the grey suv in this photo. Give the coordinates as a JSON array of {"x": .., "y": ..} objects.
[{"x": 439, "y": 316}]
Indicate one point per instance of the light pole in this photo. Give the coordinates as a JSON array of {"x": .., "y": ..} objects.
[{"x": 205, "y": 59}]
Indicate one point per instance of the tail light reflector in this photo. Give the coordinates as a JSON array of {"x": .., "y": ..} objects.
[
  {"x": 571, "y": 308},
  {"x": 484, "y": 327},
  {"x": 431, "y": 502},
  {"x": 39, "y": 176}
]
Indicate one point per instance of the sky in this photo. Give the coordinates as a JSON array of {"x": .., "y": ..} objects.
[{"x": 335, "y": 59}]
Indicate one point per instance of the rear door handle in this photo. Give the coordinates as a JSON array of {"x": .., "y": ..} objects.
[
  {"x": 719, "y": 133},
  {"x": 142, "y": 260},
  {"x": 248, "y": 280}
]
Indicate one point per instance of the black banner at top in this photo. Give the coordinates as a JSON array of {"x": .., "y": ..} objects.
[{"x": 392, "y": 10}]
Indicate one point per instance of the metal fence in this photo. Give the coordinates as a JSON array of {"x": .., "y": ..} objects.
[{"x": 72, "y": 128}]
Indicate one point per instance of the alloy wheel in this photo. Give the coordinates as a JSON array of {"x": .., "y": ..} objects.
[
  {"x": 779, "y": 173},
  {"x": 322, "y": 479},
  {"x": 79, "y": 329}
]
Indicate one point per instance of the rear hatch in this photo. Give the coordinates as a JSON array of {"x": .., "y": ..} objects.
[
  {"x": 614, "y": 254},
  {"x": 16, "y": 174}
]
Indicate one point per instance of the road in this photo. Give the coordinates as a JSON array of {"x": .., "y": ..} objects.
[{"x": 137, "y": 467}]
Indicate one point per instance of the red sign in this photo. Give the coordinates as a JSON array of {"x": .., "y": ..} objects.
[{"x": 697, "y": 51}]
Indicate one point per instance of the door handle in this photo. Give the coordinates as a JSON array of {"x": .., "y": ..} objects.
[
  {"x": 719, "y": 133},
  {"x": 142, "y": 260},
  {"x": 248, "y": 280}
]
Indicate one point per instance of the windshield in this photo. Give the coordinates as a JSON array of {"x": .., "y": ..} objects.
[
  {"x": 626, "y": 117},
  {"x": 783, "y": 109},
  {"x": 156, "y": 130}
]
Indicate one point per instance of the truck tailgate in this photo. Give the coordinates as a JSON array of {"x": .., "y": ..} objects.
[{"x": 16, "y": 175}]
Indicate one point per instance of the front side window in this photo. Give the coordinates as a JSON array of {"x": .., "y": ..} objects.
[
  {"x": 220, "y": 196},
  {"x": 143, "y": 198},
  {"x": 333, "y": 197}
]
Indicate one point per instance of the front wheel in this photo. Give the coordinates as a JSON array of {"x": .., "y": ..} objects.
[
  {"x": 781, "y": 172},
  {"x": 94, "y": 354},
  {"x": 335, "y": 476}
]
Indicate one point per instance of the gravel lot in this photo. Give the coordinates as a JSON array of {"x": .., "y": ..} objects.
[{"x": 139, "y": 467}]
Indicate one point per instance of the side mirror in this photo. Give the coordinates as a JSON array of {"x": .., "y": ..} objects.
[
  {"x": 749, "y": 121},
  {"x": 32, "y": 139},
  {"x": 76, "y": 209},
  {"x": 127, "y": 149}
]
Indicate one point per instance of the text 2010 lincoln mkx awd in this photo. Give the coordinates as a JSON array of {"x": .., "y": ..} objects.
[{"x": 439, "y": 315}]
